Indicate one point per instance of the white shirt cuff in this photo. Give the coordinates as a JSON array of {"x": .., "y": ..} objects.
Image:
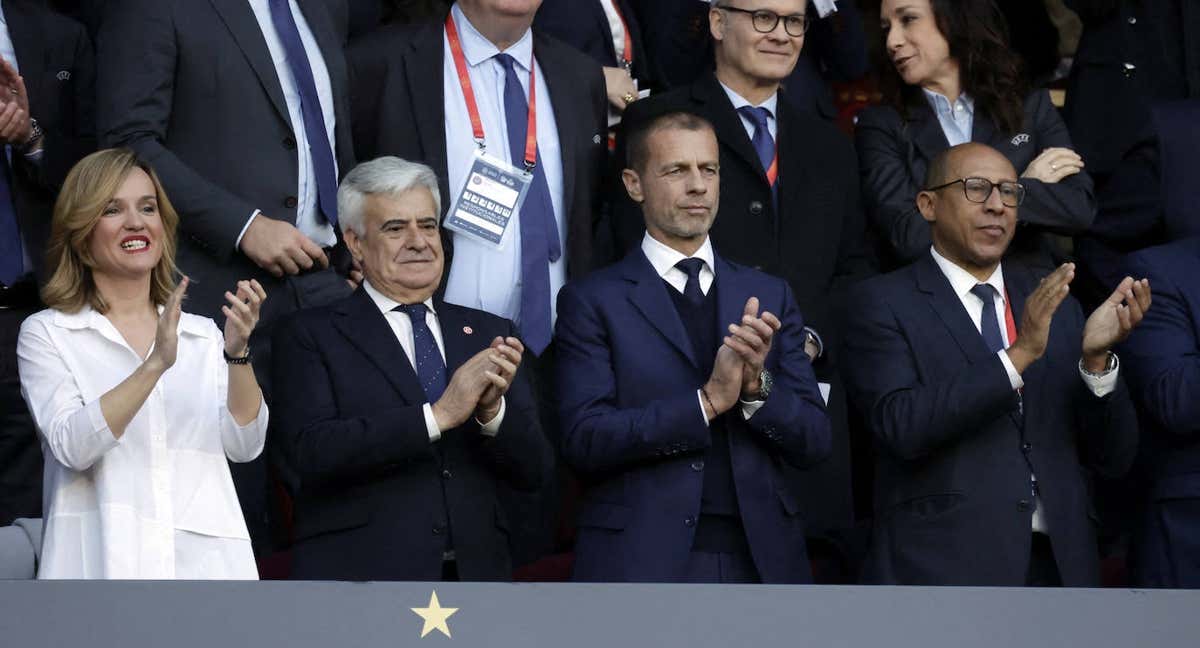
[
  {"x": 750, "y": 408},
  {"x": 700, "y": 399},
  {"x": 238, "y": 244},
  {"x": 1014, "y": 377},
  {"x": 492, "y": 427},
  {"x": 1103, "y": 384},
  {"x": 431, "y": 425}
]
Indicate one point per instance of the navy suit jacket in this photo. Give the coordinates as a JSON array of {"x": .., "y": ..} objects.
[
  {"x": 1163, "y": 359},
  {"x": 953, "y": 500},
  {"x": 634, "y": 432},
  {"x": 348, "y": 415}
]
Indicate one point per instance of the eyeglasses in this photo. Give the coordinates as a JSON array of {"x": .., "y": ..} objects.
[
  {"x": 978, "y": 190},
  {"x": 765, "y": 21}
]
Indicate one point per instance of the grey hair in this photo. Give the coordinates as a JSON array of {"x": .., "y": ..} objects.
[{"x": 385, "y": 175}]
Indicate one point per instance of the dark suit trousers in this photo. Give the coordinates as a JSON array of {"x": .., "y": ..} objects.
[
  {"x": 20, "y": 447},
  {"x": 1043, "y": 569},
  {"x": 706, "y": 567},
  {"x": 534, "y": 518}
]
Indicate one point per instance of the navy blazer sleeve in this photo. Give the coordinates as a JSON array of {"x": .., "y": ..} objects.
[
  {"x": 137, "y": 57},
  {"x": 1067, "y": 206},
  {"x": 1163, "y": 353},
  {"x": 910, "y": 414},
  {"x": 70, "y": 131}
]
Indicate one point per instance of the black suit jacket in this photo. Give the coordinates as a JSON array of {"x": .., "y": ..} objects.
[
  {"x": 348, "y": 410},
  {"x": 894, "y": 153},
  {"x": 815, "y": 241},
  {"x": 55, "y": 58},
  {"x": 190, "y": 85},
  {"x": 584, "y": 26},
  {"x": 399, "y": 105},
  {"x": 953, "y": 501}
]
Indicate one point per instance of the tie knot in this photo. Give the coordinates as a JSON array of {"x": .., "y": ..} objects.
[
  {"x": 756, "y": 114},
  {"x": 985, "y": 292},
  {"x": 415, "y": 312},
  {"x": 692, "y": 267},
  {"x": 507, "y": 61}
]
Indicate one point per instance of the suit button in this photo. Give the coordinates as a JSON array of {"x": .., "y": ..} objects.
[
  {"x": 289, "y": 143},
  {"x": 1024, "y": 506},
  {"x": 1132, "y": 20},
  {"x": 697, "y": 466},
  {"x": 756, "y": 208},
  {"x": 446, "y": 474},
  {"x": 290, "y": 202},
  {"x": 1129, "y": 70},
  {"x": 439, "y": 529},
  {"x": 1026, "y": 447},
  {"x": 690, "y": 522}
]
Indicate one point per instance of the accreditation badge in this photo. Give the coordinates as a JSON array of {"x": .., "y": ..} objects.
[{"x": 491, "y": 196}]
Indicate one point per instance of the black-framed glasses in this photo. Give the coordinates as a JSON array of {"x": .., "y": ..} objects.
[
  {"x": 766, "y": 21},
  {"x": 978, "y": 190}
]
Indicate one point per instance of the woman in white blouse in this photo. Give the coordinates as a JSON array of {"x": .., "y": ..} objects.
[{"x": 138, "y": 404}]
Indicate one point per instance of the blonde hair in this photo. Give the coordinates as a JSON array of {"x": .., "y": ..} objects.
[{"x": 89, "y": 187}]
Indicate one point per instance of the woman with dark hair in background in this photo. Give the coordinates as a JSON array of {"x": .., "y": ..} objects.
[{"x": 950, "y": 78}]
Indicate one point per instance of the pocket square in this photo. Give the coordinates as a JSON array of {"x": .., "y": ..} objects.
[
  {"x": 1023, "y": 138},
  {"x": 63, "y": 75}
]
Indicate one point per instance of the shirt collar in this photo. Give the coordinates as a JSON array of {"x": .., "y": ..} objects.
[
  {"x": 89, "y": 318},
  {"x": 386, "y": 304},
  {"x": 739, "y": 101},
  {"x": 962, "y": 281},
  {"x": 477, "y": 48},
  {"x": 941, "y": 105},
  {"x": 664, "y": 258}
]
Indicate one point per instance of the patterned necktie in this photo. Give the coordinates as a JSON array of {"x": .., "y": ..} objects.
[
  {"x": 540, "y": 244},
  {"x": 11, "y": 260},
  {"x": 427, "y": 359},
  {"x": 692, "y": 289},
  {"x": 763, "y": 143},
  {"x": 310, "y": 107},
  {"x": 989, "y": 326}
]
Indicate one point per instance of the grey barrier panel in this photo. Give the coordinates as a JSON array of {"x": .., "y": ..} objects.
[{"x": 353, "y": 615}]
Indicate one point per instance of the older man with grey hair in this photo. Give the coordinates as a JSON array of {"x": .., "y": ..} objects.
[{"x": 401, "y": 414}]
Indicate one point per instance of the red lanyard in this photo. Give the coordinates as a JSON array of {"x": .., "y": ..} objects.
[
  {"x": 1010, "y": 324},
  {"x": 464, "y": 79},
  {"x": 627, "y": 54}
]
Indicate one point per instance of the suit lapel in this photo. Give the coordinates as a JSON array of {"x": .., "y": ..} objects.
[
  {"x": 27, "y": 35},
  {"x": 240, "y": 21},
  {"x": 1019, "y": 283},
  {"x": 983, "y": 129},
  {"x": 731, "y": 298},
  {"x": 726, "y": 121},
  {"x": 563, "y": 87},
  {"x": 649, "y": 296},
  {"x": 925, "y": 130},
  {"x": 948, "y": 306},
  {"x": 360, "y": 321},
  {"x": 460, "y": 345},
  {"x": 423, "y": 69}
]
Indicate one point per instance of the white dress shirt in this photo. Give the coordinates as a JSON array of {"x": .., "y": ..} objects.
[
  {"x": 616, "y": 26},
  {"x": 402, "y": 327},
  {"x": 957, "y": 119},
  {"x": 962, "y": 282},
  {"x": 771, "y": 104},
  {"x": 663, "y": 259},
  {"x": 159, "y": 502},
  {"x": 482, "y": 276},
  {"x": 308, "y": 214}
]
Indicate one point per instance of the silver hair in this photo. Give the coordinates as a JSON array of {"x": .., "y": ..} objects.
[{"x": 385, "y": 175}]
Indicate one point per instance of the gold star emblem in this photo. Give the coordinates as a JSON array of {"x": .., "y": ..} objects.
[{"x": 435, "y": 616}]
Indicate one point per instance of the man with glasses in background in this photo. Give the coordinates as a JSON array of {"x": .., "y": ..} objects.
[
  {"x": 986, "y": 433},
  {"x": 789, "y": 207}
]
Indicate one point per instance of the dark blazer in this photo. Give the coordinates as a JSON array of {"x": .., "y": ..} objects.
[
  {"x": 190, "y": 85},
  {"x": 582, "y": 24},
  {"x": 1163, "y": 360},
  {"x": 633, "y": 430},
  {"x": 952, "y": 482},
  {"x": 894, "y": 153},
  {"x": 348, "y": 414},
  {"x": 400, "y": 110},
  {"x": 55, "y": 58},
  {"x": 815, "y": 240}
]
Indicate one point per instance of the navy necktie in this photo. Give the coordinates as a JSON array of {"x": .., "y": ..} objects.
[
  {"x": 427, "y": 359},
  {"x": 11, "y": 261},
  {"x": 692, "y": 290},
  {"x": 764, "y": 144},
  {"x": 989, "y": 325},
  {"x": 310, "y": 108},
  {"x": 540, "y": 245}
]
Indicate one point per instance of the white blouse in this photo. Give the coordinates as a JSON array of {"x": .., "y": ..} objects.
[{"x": 159, "y": 502}]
